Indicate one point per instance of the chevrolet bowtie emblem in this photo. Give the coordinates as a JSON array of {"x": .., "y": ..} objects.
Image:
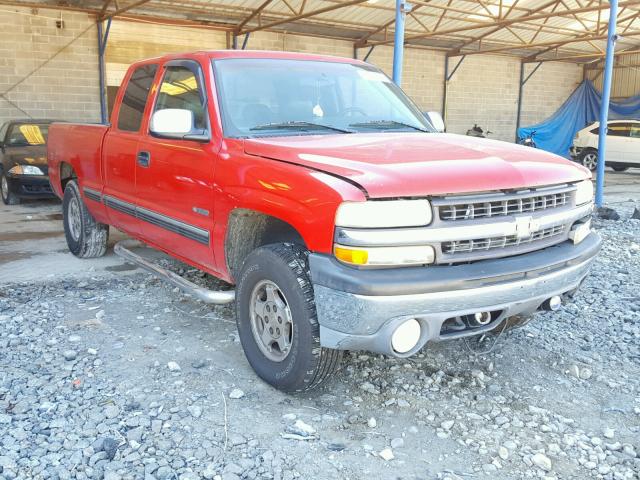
[{"x": 526, "y": 226}]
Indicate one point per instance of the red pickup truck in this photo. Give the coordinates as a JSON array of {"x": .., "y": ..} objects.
[{"x": 343, "y": 216}]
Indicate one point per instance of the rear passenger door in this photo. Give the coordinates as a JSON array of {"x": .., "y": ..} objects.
[
  {"x": 617, "y": 141},
  {"x": 174, "y": 185},
  {"x": 120, "y": 148},
  {"x": 634, "y": 144}
]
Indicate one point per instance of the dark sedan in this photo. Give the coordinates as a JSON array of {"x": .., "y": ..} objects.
[{"x": 23, "y": 160}]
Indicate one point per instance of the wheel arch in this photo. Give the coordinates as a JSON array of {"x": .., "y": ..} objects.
[
  {"x": 248, "y": 229},
  {"x": 67, "y": 173}
]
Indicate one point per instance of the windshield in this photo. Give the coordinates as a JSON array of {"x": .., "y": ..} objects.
[
  {"x": 26, "y": 134},
  {"x": 272, "y": 97}
]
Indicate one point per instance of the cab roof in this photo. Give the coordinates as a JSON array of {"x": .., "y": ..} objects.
[{"x": 256, "y": 54}]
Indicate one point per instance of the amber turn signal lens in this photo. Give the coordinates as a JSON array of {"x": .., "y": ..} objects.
[{"x": 352, "y": 256}]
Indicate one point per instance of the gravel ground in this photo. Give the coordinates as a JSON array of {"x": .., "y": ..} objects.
[{"x": 124, "y": 378}]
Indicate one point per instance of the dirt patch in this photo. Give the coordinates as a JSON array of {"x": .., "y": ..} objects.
[
  {"x": 19, "y": 236},
  {"x": 13, "y": 256}
]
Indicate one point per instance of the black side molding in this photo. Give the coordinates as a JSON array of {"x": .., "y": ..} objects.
[{"x": 171, "y": 224}]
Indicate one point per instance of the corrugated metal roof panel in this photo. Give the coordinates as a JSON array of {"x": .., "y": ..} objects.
[{"x": 459, "y": 22}]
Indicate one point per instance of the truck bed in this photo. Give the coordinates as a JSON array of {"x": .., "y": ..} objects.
[{"x": 79, "y": 145}]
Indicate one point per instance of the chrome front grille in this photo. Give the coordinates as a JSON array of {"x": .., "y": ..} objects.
[
  {"x": 483, "y": 244},
  {"x": 481, "y": 226},
  {"x": 504, "y": 206}
]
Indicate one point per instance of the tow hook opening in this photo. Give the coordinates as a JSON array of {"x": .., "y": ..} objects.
[
  {"x": 552, "y": 304},
  {"x": 469, "y": 322},
  {"x": 478, "y": 319}
]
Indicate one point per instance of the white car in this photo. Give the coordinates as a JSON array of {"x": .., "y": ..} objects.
[{"x": 623, "y": 145}]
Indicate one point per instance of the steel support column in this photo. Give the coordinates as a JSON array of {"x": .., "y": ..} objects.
[
  {"x": 102, "y": 46},
  {"x": 604, "y": 102},
  {"x": 398, "y": 42},
  {"x": 523, "y": 82},
  {"x": 448, "y": 76}
]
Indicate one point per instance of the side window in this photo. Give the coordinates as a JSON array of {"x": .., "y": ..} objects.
[
  {"x": 135, "y": 98},
  {"x": 635, "y": 130},
  {"x": 619, "y": 130},
  {"x": 181, "y": 89}
]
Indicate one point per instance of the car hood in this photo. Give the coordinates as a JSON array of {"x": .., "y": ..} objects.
[
  {"x": 32, "y": 155},
  {"x": 415, "y": 164}
]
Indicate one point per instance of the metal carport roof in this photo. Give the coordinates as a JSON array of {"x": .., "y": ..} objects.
[{"x": 569, "y": 30}]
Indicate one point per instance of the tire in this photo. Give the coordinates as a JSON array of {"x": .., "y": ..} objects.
[
  {"x": 589, "y": 159},
  {"x": 304, "y": 364},
  {"x": 86, "y": 238},
  {"x": 619, "y": 168},
  {"x": 8, "y": 197}
]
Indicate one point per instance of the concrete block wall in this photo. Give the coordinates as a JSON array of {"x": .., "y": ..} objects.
[
  {"x": 422, "y": 73},
  {"x": 547, "y": 89},
  {"x": 132, "y": 41},
  {"x": 483, "y": 91},
  {"x": 46, "y": 71}
]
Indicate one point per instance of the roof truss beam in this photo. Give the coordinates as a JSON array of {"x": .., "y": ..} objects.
[
  {"x": 302, "y": 16},
  {"x": 511, "y": 21},
  {"x": 126, "y": 8}
]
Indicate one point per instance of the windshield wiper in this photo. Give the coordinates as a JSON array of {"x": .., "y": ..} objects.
[
  {"x": 298, "y": 125},
  {"x": 384, "y": 124}
]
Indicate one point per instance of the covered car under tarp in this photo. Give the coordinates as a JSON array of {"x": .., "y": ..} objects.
[{"x": 582, "y": 108}]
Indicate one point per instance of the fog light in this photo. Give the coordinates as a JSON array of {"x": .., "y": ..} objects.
[
  {"x": 406, "y": 336},
  {"x": 552, "y": 304}
]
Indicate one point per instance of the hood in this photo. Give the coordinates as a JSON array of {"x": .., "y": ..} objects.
[
  {"x": 415, "y": 164},
  {"x": 33, "y": 155}
]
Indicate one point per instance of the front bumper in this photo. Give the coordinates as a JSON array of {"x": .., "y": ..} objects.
[
  {"x": 30, "y": 186},
  {"x": 360, "y": 309}
]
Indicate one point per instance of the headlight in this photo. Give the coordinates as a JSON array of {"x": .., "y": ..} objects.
[
  {"x": 384, "y": 256},
  {"x": 384, "y": 214},
  {"x": 584, "y": 192},
  {"x": 26, "y": 170}
]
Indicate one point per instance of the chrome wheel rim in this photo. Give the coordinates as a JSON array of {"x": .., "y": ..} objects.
[
  {"x": 590, "y": 161},
  {"x": 74, "y": 220},
  {"x": 4, "y": 187},
  {"x": 271, "y": 321}
]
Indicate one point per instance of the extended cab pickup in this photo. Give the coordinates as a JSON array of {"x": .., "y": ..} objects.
[{"x": 317, "y": 188}]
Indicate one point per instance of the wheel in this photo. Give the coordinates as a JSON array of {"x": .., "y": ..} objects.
[
  {"x": 619, "y": 168},
  {"x": 277, "y": 322},
  {"x": 86, "y": 238},
  {"x": 589, "y": 159},
  {"x": 8, "y": 197}
]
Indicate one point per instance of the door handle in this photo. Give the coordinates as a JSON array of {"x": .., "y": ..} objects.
[{"x": 144, "y": 159}]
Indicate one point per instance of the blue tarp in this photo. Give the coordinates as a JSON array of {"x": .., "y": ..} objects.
[{"x": 582, "y": 108}]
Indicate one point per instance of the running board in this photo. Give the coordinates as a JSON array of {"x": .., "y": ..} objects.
[{"x": 207, "y": 296}]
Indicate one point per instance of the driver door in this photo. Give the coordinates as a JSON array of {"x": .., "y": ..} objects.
[{"x": 174, "y": 176}]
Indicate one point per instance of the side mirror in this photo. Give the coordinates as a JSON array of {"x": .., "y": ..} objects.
[
  {"x": 172, "y": 122},
  {"x": 436, "y": 120}
]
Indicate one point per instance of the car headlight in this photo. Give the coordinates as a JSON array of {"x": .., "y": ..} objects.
[
  {"x": 584, "y": 192},
  {"x": 25, "y": 170},
  {"x": 385, "y": 256},
  {"x": 384, "y": 214}
]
